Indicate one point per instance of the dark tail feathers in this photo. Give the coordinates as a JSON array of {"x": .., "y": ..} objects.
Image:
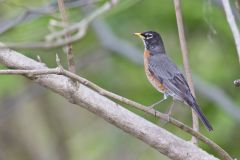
[{"x": 200, "y": 114}]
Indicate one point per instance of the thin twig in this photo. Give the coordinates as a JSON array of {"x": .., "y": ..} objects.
[
  {"x": 83, "y": 24},
  {"x": 54, "y": 39},
  {"x": 232, "y": 24},
  {"x": 61, "y": 71},
  {"x": 185, "y": 61},
  {"x": 70, "y": 56},
  {"x": 34, "y": 13}
]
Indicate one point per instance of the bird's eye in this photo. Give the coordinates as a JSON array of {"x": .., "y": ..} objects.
[{"x": 149, "y": 36}]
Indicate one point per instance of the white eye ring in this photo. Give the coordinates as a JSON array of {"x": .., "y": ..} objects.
[{"x": 149, "y": 36}]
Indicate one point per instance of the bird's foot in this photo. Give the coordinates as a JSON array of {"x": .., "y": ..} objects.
[
  {"x": 166, "y": 117},
  {"x": 152, "y": 106},
  {"x": 156, "y": 104}
]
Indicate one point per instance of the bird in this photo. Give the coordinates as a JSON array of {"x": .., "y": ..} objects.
[{"x": 165, "y": 76}]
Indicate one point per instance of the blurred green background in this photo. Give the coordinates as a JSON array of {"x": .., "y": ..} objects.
[{"x": 38, "y": 124}]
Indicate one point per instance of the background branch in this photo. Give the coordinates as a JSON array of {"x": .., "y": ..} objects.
[
  {"x": 70, "y": 56},
  {"x": 232, "y": 24},
  {"x": 33, "y": 13},
  {"x": 54, "y": 39},
  {"x": 184, "y": 50}
]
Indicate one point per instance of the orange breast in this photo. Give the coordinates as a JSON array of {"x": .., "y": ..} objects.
[
  {"x": 146, "y": 54},
  {"x": 152, "y": 78}
]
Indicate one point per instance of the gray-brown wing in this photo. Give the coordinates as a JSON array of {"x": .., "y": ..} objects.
[{"x": 169, "y": 75}]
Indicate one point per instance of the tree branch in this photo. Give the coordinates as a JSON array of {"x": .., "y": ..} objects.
[
  {"x": 34, "y": 13},
  {"x": 31, "y": 68},
  {"x": 232, "y": 24},
  {"x": 70, "y": 56},
  {"x": 55, "y": 39},
  {"x": 184, "y": 49}
]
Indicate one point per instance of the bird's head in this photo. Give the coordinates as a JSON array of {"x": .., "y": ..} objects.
[{"x": 152, "y": 41}]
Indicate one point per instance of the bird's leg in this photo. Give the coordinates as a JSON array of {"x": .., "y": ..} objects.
[
  {"x": 157, "y": 103},
  {"x": 169, "y": 112}
]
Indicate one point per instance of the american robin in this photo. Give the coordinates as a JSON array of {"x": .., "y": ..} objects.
[{"x": 164, "y": 75}]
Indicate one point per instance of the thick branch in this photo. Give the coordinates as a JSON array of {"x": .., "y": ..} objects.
[{"x": 158, "y": 138}]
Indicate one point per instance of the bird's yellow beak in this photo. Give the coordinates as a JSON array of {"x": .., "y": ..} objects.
[{"x": 139, "y": 35}]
